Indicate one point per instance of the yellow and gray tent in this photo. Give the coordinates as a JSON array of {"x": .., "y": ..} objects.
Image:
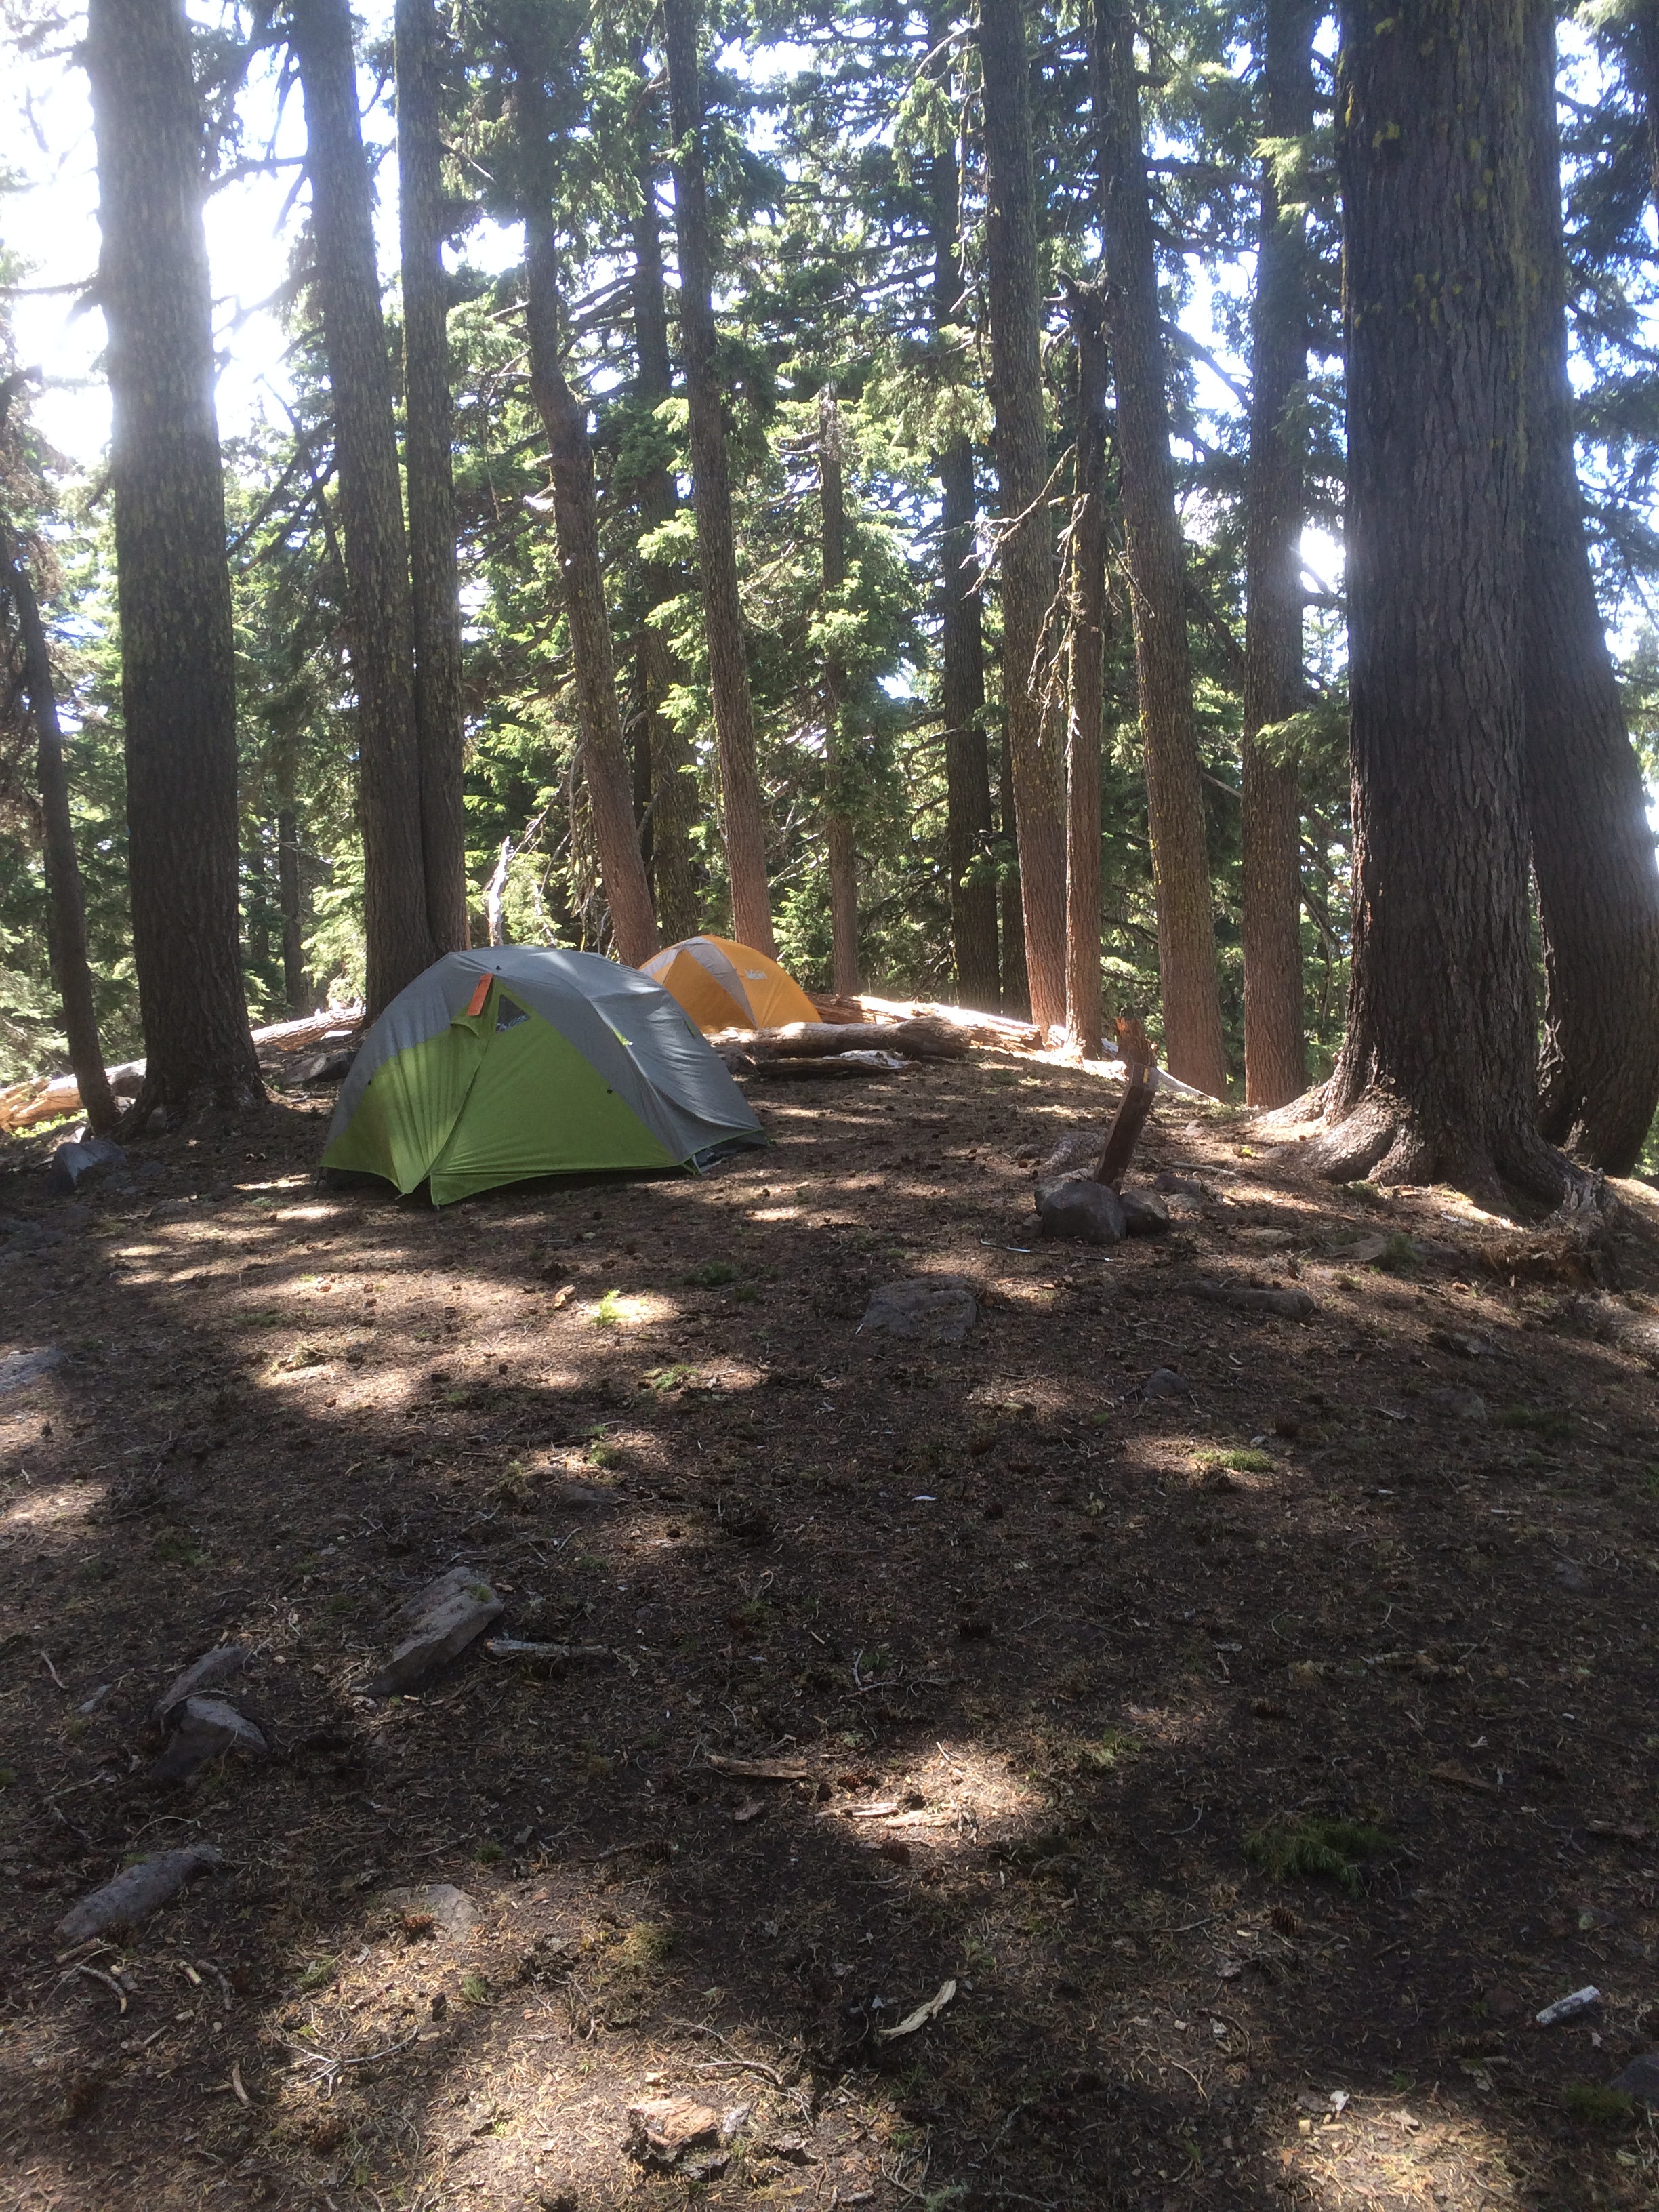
[
  {"x": 519, "y": 1060},
  {"x": 723, "y": 986}
]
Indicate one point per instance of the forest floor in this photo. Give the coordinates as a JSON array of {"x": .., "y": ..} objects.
[{"x": 1053, "y": 1656}]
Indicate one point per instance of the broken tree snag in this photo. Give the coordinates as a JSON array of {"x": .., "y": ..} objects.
[{"x": 1139, "y": 1091}]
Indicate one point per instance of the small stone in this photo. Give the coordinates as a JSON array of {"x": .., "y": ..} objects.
[
  {"x": 204, "y": 1673},
  {"x": 1087, "y": 1211},
  {"x": 1640, "y": 2079},
  {"x": 665, "y": 2128},
  {"x": 18, "y": 1368},
  {"x": 1571, "y": 1574},
  {"x": 71, "y": 1165},
  {"x": 932, "y": 1309},
  {"x": 1458, "y": 1405},
  {"x": 1144, "y": 1214},
  {"x": 450, "y": 1910},
  {"x": 442, "y": 1620},
  {"x": 582, "y": 1495},
  {"x": 203, "y": 1728},
  {"x": 1164, "y": 1382}
]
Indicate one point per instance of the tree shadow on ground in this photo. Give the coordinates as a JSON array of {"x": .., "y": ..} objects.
[{"x": 1050, "y": 1652}]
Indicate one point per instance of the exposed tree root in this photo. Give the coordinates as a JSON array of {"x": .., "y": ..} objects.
[{"x": 1510, "y": 1173}]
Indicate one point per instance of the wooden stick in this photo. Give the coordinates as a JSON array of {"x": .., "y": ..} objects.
[{"x": 1134, "y": 1107}]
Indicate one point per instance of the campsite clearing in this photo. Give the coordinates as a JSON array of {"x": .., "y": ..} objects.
[{"x": 1254, "y": 1736}]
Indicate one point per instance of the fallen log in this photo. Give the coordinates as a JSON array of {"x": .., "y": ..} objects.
[
  {"x": 1288, "y": 1305},
  {"x": 918, "y": 1038},
  {"x": 832, "y": 1007},
  {"x": 48, "y": 1099}
]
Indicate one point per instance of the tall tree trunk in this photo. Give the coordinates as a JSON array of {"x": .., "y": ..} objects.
[
  {"x": 1592, "y": 846},
  {"x": 1016, "y": 990},
  {"x": 428, "y": 432},
  {"x": 290, "y": 898},
  {"x": 672, "y": 781},
  {"x": 379, "y": 618},
  {"x": 177, "y": 658},
  {"x": 1188, "y": 983},
  {"x": 1026, "y": 558},
  {"x": 576, "y": 521},
  {"x": 66, "y": 913},
  {"x": 840, "y": 836},
  {"x": 1087, "y": 686},
  {"x": 1435, "y": 1080},
  {"x": 1275, "y": 1053},
  {"x": 968, "y": 832},
  {"x": 729, "y": 669}
]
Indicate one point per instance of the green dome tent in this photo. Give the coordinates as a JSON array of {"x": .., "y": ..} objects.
[{"x": 521, "y": 1061}]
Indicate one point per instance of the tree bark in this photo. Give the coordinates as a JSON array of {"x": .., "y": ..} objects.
[
  {"x": 840, "y": 836},
  {"x": 576, "y": 522},
  {"x": 66, "y": 927},
  {"x": 1592, "y": 846},
  {"x": 728, "y": 670},
  {"x": 968, "y": 832},
  {"x": 1086, "y": 689},
  {"x": 1026, "y": 560},
  {"x": 399, "y": 943},
  {"x": 1435, "y": 1080},
  {"x": 178, "y": 660},
  {"x": 290, "y": 896},
  {"x": 671, "y": 777},
  {"x": 1275, "y": 1053},
  {"x": 428, "y": 437},
  {"x": 1188, "y": 983}
]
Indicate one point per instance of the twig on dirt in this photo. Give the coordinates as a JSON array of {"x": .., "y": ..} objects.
[
  {"x": 1192, "y": 2077},
  {"x": 46, "y": 1660},
  {"x": 742, "y": 2066},
  {"x": 332, "y": 2064}
]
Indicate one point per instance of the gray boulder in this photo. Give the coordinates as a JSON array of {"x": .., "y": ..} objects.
[
  {"x": 71, "y": 1165},
  {"x": 928, "y": 1308},
  {"x": 440, "y": 1621},
  {"x": 1087, "y": 1211},
  {"x": 203, "y": 1728}
]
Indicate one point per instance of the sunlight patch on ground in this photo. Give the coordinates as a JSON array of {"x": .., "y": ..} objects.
[
  {"x": 1395, "y": 2151},
  {"x": 40, "y": 1510}
]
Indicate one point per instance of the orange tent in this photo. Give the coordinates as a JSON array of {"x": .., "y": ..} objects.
[{"x": 723, "y": 986}]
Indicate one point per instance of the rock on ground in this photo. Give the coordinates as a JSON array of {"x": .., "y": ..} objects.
[
  {"x": 204, "y": 1673},
  {"x": 74, "y": 1164},
  {"x": 932, "y": 1309},
  {"x": 442, "y": 1620},
  {"x": 203, "y": 1728},
  {"x": 451, "y": 1911},
  {"x": 18, "y": 1368},
  {"x": 1088, "y": 1212}
]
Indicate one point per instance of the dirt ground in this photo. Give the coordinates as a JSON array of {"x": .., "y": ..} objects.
[{"x": 1071, "y": 1697}]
